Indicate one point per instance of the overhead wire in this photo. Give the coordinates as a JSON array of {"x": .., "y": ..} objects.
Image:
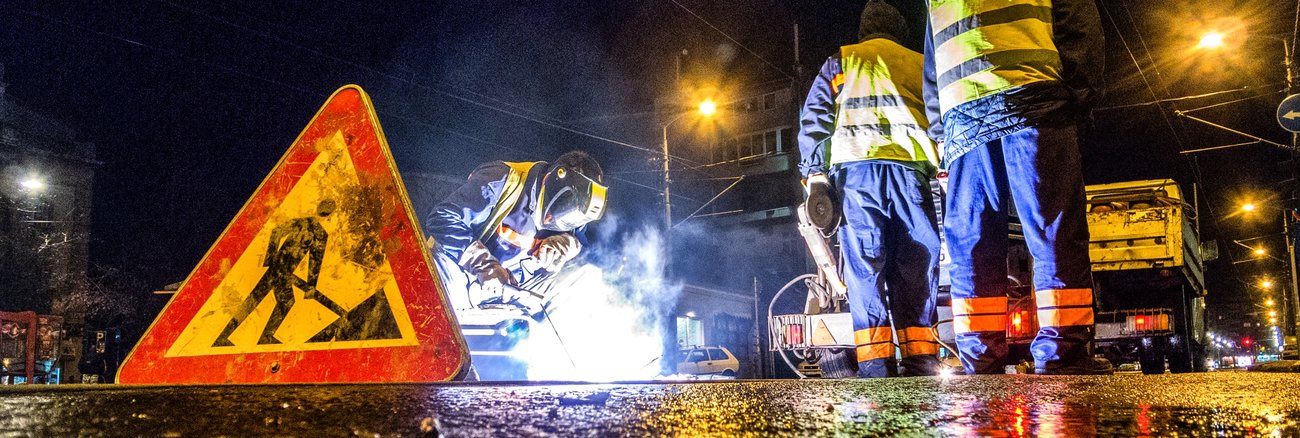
[
  {"x": 1185, "y": 98},
  {"x": 308, "y": 92},
  {"x": 518, "y": 111},
  {"x": 653, "y": 152},
  {"x": 733, "y": 40},
  {"x": 1230, "y": 102}
]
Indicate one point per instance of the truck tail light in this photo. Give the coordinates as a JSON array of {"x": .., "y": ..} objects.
[
  {"x": 1149, "y": 323},
  {"x": 1020, "y": 324}
]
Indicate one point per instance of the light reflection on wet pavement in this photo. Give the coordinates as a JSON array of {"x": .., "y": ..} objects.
[{"x": 1128, "y": 405}]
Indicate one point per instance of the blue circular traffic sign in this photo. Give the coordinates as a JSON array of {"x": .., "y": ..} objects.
[{"x": 1288, "y": 113}]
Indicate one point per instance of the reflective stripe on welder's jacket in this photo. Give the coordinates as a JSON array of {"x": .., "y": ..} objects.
[
  {"x": 984, "y": 47},
  {"x": 874, "y": 343},
  {"x": 916, "y": 341},
  {"x": 1064, "y": 307},
  {"x": 880, "y": 112},
  {"x": 976, "y": 315}
]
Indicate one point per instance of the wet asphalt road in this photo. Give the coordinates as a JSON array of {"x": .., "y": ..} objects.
[{"x": 1223, "y": 403}]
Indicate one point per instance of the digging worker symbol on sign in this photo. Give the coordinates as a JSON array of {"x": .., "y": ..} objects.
[{"x": 290, "y": 242}]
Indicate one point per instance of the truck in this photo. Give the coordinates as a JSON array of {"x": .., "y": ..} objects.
[
  {"x": 1149, "y": 285},
  {"x": 1149, "y": 273}
]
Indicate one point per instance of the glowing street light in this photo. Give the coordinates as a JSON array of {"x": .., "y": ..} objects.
[
  {"x": 1266, "y": 283},
  {"x": 1260, "y": 251},
  {"x": 1272, "y": 313},
  {"x": 1211, "y": 40},
  {"x": 32, "y": 183},
  {"x": 708, "y": 107},
  {"x": 1270, "y": 302},
  {"x": 1248, "y": 207}
]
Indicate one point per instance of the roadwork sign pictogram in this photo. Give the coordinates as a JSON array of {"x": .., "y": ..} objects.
[{"x": 321, "y": 276}]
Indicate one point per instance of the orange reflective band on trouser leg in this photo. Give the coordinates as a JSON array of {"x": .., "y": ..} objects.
[
  {"x": 874, "y": 343},
  {"x": 979, "y": 323},
  {"x": 872, "y": 335},
  {"x": 1063, "y": 298},
  {"x": 916, "y": 341},
  {"x": 1063, "y": 317},
  {"x": 985, "y": 314},
  {"x": 979, "y": 306},
  {"x": 875, "y": 351}
]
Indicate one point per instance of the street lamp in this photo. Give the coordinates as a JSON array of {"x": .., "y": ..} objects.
[
  {"x": 1269, "y": 302},
  {"x": 1211, "y": 40},
  {"x": 707, "y": 108},
  {"x": 33, "y": 184},
  {"x": 1266, "y": 283},
  {"x": 1291, "y": 303}
]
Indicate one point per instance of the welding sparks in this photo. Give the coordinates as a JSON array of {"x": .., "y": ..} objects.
[{"x": 606, "y": 321}]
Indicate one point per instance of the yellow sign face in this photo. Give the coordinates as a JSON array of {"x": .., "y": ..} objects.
[{"x": 313, "y": 278}]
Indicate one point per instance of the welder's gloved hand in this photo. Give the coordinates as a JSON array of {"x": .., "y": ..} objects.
[
  {"x": 553, "y": 252},
  {"x": 487, "y": 270},
  {"x": 494, "y": 278}
]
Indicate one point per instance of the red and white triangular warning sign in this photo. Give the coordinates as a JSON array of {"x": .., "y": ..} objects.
[{"x": 321, "y": 277}]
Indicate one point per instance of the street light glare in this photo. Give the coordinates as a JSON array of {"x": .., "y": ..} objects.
[
  {"x": 1211, "y": 40},
  {"x": 1248, "y": 207},
  {"x": 1270, "y": 302},
  {"x": 1260, "y": 251},
  {"x": 1266, "y": 283},
  {"x": 32, "y": 184},
  {"x": 708, "y": 107}
]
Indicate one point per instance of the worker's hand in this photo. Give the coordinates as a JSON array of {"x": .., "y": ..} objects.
[
  {"x": 487, "y": 271},
  {"x": 553, "y": 252},
  {"x": 494, "y": 278}
]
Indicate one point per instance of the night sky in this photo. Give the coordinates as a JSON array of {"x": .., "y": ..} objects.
[{"x": 191, "y": 103}]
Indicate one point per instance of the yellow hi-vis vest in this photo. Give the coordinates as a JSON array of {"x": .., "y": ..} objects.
[
  {"x": 984, "y": 47},
  {"x": 881, "y": 115}
]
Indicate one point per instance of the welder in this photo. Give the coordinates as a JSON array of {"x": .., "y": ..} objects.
[
  {"x": 512, "y": 220},
  {"x": 863, "y": 140},
  {"x": 1009, "y": 87}
]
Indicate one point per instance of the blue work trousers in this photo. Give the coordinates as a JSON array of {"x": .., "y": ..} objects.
[
  {"x": 890, "y": 249},
  {"x": 1036, "y": 171}
]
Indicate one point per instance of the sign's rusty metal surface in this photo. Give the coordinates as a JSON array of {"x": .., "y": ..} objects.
[{"x": 321, "y": 276}]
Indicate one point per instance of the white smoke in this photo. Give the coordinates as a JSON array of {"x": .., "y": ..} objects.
[{"x": 609, "y": 314}]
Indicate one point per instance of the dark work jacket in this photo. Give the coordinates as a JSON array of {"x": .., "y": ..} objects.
[
  {"x": 1079, "y": 38},
  {"x": 460, "y": 219}
]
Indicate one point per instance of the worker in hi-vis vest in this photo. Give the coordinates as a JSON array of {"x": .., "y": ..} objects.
[
  {"x": 1009, "y": 86},
  {"x": 863, "y": 140},
  {"x": 508, "y": 219}
]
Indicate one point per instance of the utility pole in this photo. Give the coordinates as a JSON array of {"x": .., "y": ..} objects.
[{"x": 668, "y": 208}]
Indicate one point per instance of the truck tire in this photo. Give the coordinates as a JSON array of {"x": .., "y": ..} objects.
[
  {"x": 838, "y": 363},
  {"x": 1151, "y": 358},
  {"x": 1152, "y": 365},
  {"x": 1180, "y": 361},
  {"x": 1200, "y": 358}
]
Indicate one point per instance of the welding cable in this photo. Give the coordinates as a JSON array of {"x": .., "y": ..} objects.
[
  {"x": 934, "y": 330},
  {"x": 771, "y": 330}
]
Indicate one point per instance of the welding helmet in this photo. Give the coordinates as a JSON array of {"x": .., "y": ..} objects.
[{"x": 568, "y": 200}]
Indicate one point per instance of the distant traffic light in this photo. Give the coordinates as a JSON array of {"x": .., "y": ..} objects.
[{"x": 1247, "y": 341}]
